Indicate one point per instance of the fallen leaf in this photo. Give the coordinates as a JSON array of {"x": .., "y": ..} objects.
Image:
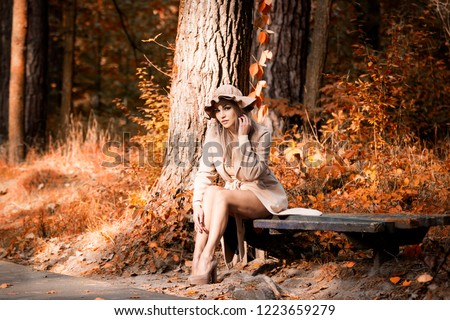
[
  {"x": 51, "y": 292},
  {"x": 424, "y": 278},
  {"x": 98, "y": 298},
  {"x": 320, "y": 196},
  {"x": 153, "y": 244},
  {"x": 406, "y": 283},
  {"x": 5, "y": 285},
  {"x": 108, "y": 265},
  {"x": 320, "y": 278},
  {"x": 412, "y": 250},
  {"x": 191, "y": 292},
  {"x": 350, "y": 264},
  {"x": 330, "y": 277},
  {"x": 145, "y": 285},
  {"x": 314, "y": 291},
  {"x": 394, "y": 280}
]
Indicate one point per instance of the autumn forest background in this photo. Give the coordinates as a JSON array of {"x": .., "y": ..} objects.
[{"x": 98, "y": 144}]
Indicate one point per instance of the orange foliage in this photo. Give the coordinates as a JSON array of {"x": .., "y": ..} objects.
[
  {"x": 351, "y": 178},
  {"x": 382, "y": 145},
  {"x": 256, "y": 69},
  {"x": 399, "y": 95}
]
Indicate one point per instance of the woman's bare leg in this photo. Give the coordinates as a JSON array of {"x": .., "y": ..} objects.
[
  {"x": 240, "y": 202},
  {"x": 202, "y": 238}
]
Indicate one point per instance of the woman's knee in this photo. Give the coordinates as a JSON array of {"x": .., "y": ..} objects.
[
  {"x": 222, "y": 198},
  {"x": 218, "y": 196},
  {"x": 210, "y": 192}
]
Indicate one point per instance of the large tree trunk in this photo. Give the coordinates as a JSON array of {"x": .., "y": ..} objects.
[
  {"x": 36, "y": 74},
  {"x": 213, "y": 47},
  {"x": 67, "y": 81},
  {"x": 5, "y": 60},
  {"x": 286, "y": 74},
  {"x": 317, "y": 55},
  {"x": 17, "y": 82}
]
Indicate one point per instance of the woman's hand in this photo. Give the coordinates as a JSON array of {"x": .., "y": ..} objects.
[
  {"x": 199, "y": 218},
  {"x": 244, "y": 125}
]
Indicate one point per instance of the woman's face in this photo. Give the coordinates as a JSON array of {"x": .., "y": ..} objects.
[{"x": 226, "y": 113}]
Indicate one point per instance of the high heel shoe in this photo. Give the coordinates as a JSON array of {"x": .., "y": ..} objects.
[{"x": 206, "y": 278}]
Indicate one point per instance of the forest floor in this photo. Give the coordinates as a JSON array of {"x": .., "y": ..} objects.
[
  {"x": 403, "y": 278},
  {"x": 323, "y": 276},
  {"x": 305, "y": 280},
  {"x": 64, "y": 212}
]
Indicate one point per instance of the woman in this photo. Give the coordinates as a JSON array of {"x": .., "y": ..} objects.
[{"x": 237, "y": 149}]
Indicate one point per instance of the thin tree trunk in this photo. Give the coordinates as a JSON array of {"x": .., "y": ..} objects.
[
  {"x": 69, "y": 41},
  {"x": 36, "y": 74},
  {"x": 369, "y": 19},
  {"x": 213, "y": 47},
  {"x": 5, "y": 61},
  {"x": 97, "y": 96},
  {"x": 317, "y": 55},
  {"x": 17, "y": 82},
  {"x": 286, "y": 74}
]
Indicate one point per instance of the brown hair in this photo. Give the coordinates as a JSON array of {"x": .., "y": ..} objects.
[{"x": 225, "y": 136}]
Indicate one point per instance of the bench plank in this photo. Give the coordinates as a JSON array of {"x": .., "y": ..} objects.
[
  {"x": 324, "y": 223},
  {"x": 354, "y": 222},
  {"x": 410, "y": 221}
]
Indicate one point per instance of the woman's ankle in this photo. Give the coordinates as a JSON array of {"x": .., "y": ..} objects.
[{"x": 205, "y": 260}]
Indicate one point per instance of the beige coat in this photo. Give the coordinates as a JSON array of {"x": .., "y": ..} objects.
[
  {"x": 250, "y": 171},
  {"x": 249, "y": 165}
]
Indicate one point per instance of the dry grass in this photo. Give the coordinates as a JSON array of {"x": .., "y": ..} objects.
[{"x": 65, "y": 193}]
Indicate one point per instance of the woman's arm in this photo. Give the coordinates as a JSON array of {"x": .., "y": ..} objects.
[
  {"x": 251, "y": 158},
  {"x": 206, "y": 174}
]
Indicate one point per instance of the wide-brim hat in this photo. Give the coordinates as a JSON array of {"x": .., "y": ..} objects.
[{"x": 232, "y": 93}]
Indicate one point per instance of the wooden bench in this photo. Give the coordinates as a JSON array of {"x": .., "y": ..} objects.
[{"x": 384, "y": 233}]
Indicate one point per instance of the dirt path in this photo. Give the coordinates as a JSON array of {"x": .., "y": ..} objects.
[
  {"x": 23, "y": 283},
  {"x": 301, "y": 280}
]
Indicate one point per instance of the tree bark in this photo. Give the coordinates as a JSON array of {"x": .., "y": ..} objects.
[
  {"x": 5, "y": 60},
  {"x": 317, "y": 55},
  {"x": 36, "y": 74},
  {"x": 69, "y": 42},
  {"x": 213, "y": 47},
  {"x": 17, "y": 82},
  {"x": 286, "y": 74}
]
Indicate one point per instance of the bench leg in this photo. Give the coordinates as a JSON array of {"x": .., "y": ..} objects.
[
  {"x": 386, "y": 245},
  {"x": 260, "y": 254},
  {"x": 380, "y": 256},
  {"x": 242, "y": 242}
]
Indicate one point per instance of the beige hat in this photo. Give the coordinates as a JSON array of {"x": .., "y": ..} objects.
[{"x": 229, "y": 92}]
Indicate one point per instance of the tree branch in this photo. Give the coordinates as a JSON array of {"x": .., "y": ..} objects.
[{"x": 130, "y": 38}]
